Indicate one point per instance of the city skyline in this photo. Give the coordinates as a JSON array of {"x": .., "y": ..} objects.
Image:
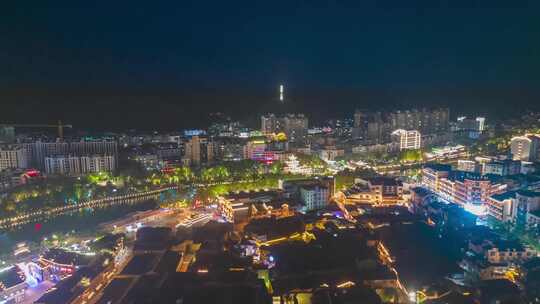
[{"x": 250, "y": 152}]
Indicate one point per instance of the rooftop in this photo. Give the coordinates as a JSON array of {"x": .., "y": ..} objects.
[
  {"x": 529, "y": 193},
  {"x": 439, "y": 167},
  {"x": 504, "y": 196},
  {"x": 385, "y": 181},
  {"x": 61, "y": 256},
  {"x": 10, "y": 277}
]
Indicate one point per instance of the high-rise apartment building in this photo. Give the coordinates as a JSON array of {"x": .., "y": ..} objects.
[
  {"x": 424, "y": 120},
  {"x": 198, "y": 151},
  {"x": 270, "y": 123},
  {"x": 294, "y": 126},
  {"x": 377, "y": 126},
  {"x": 525, "y": 148},
  {"x": 38, "y": 151},
  {"x": 13, "y": 157},
  {"x": 77, "y": 165}
]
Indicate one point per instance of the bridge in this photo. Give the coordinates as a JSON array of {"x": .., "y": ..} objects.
[{"x": 19, "y": 220}]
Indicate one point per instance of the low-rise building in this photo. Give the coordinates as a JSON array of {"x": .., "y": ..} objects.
[
  {"x": 502, "y": 167},
  {"x": 467, "y": 165},
  {"x": 521, "y": 208},
  {"x": 12, "y": 285},
  {"x": 378, "y": 190}
]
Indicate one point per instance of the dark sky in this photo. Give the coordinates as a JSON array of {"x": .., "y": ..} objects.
[{"x": 167, "y": 64}]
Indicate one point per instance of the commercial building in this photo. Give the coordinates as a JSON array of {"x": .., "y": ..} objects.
[
  {"x": 13, "y": 157},
  {"x": 525, "y": 148},
  {"x": 408, "y": 139},
  {"x": 520, "y": 208},
  {"x": 377, "y": 191},
  {"x": 254, "y": 150},
  {"x": 469, "y": 189},
  {"x": 77, "y": 165}
]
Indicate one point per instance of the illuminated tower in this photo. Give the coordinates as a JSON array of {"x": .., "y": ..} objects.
[{"x": 281, "y": 91}]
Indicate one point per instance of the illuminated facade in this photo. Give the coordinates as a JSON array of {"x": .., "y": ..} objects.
[
  {"x": 77, "y": 165},
  {"x": 38, "y": 151},
  {"x": 408, "y": 139},
  {"x": 254, "y": 150},
  {"x": 525, "y": 148},
  {"x": 198, "y": 151},
  {"x": 377, "y": 191},
  {"x": 294, "y": 126},
  {"x": 464, "y": 188},
  {"x": 314, "y": 197},
  {"x": 13, "y": 157}
]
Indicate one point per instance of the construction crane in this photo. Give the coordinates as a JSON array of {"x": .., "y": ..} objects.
[{"x": 60, "y": 127}]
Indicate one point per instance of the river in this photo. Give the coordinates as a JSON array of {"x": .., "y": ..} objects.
[{"x": 85, "y": 220}]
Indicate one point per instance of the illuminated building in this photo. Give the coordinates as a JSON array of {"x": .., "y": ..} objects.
[
  {"x": 281, "y": 93},
  {"x": 446, "y": 153},
  {"x": 378, "y": 191},
  {"x": 330, "y": 153},
  {"x": 502, "y": 167},
  {"x": 254, "y": 150},
  {"x": 500, "y": 206},
  {"x": 270, "y": 124},
  {"x": 13, "y": 157},
  {"x": 314, "y": 197},
  {"x": 466, "y": 165},
  {"x": 294, "y": 126},
  {"x": 424, "y": 120},
  {"x": 292, "y": 165},
  {"x": 525, "y": 148},
  {"x": 40, "y": 150},
  {"x": 76, "y": 165},
  {"x": 469, "y": 189},
  {"x": 377, "y": 126},
  {"x": 472, "y": 127},
  {"x": 408, "y": 139},
  {"x": 198, "y": 151},
  {"x": 12, "y": 285}
]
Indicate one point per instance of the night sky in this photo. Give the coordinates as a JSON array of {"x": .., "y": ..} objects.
[{"x": 167, "y": 64}]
